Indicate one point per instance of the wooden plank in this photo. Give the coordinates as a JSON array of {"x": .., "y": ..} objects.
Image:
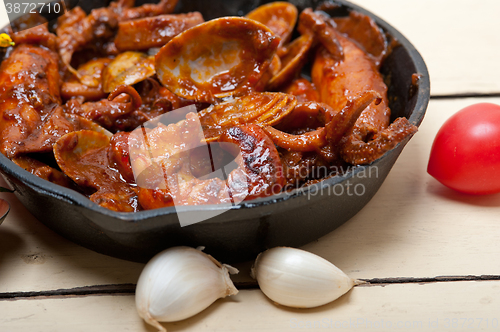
[
  {"x": 413, "y": 227},
  {"x": 32, "y": 257},
  {"x": 4, "y": 18},
  {"x": 450, "y": 306},
  {"x": 457, "y": 39},
  {"x": 421, "y": 236}
]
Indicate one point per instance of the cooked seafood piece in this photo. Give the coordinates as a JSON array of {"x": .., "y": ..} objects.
[
  {"x": 362, "y": 29},
  {"x": 318, "y": 25},
  {"x": 89, "y": 85},
  {"x": 156, "y": 100},
  {"x": 44, "y": 119},
  {"x": 29, "y": 87},
  {"x": 128, "y": 68},
  {"x": 81, "y": 123},
  {"x": 158, "y": 155},
  {"x": 305, "y": 117},
  {"x": 303, "y": 166},
  {"x": 358, "y": 151},
  {"x": 266, "y": 108},
  {"x": 146, "y": 33},
  {"x": 336, "y": 124},
  {"x": 165, "y": 160},
  {"x": 38, "y": 35},
  {"x": 147, "y": 10},
  {"x": 303, "y": 90},
  {"x": 279, "y": 16},
  {"x": 260, "y": 172},
  {"x": 53, "y": 126},
  {"x": 124, "y": 100},
  {"x": 339, "y": 82},
  {"x": 292, "y": 62},
  {"x": 119, "y": 156},
  {"x": 219, "y": 58},
  {"x": 126, "y": 108},
  {"x": 273, "y": 70},
  {"x": 76, "y": 30},
  {"x": 43, "y": 171},
  {"x": 83, "y": 156}
]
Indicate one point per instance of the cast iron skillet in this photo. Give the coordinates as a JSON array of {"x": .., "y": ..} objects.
[{"x": 242, "y": 232}]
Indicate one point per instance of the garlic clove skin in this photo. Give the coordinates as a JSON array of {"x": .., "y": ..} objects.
[
  {"x": 179, "y": 283},
  {"x": 299, "y": 279}
]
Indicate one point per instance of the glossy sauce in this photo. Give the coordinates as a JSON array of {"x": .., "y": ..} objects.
[
  {"x": 278, "y": 140},
  {"x": 29, "y": 85},
  {"x": 194, "y": 66}
]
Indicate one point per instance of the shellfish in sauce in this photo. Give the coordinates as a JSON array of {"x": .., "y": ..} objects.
[
  {"x": 243, "y": 79},
  {"x": 280, "y": 17},
  {"x": 83, "y": 157},
  {"x": 220, "y": 58},
  {"x": 128, "y": 68}
]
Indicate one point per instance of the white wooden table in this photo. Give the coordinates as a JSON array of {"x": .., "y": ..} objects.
[{"x": 437, "y": 251}]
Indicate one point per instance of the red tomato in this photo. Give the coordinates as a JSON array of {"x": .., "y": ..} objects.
[{"x": 465, "y": 155}]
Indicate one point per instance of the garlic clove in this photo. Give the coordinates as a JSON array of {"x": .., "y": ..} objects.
[
  {"x": 299, "y": 279},
  {"x": 179, "y": 283}
]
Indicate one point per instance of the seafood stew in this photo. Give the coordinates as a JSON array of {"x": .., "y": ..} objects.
[
  {"x": 76, "y": 91},
  {"x": 287, "y": 219}
]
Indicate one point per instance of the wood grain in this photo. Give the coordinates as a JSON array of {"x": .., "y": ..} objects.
[
  {"x": 457, "y": 40},
  {"x": 413, "y": 227},
  {"x": 450, "y": 306}
]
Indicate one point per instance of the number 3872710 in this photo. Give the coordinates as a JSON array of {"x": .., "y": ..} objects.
[{"x": 33, "y": 8}]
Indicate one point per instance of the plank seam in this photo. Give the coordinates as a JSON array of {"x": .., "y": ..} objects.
[
  {"x": 129, "y": 289},
  {"x": 467, "y": 95},
  {"x": 413, "y": 280},
  {"x": 78, "y": 291}
]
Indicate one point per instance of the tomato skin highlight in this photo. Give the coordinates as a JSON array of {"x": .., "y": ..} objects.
[{"x": 465, "y": 155}]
